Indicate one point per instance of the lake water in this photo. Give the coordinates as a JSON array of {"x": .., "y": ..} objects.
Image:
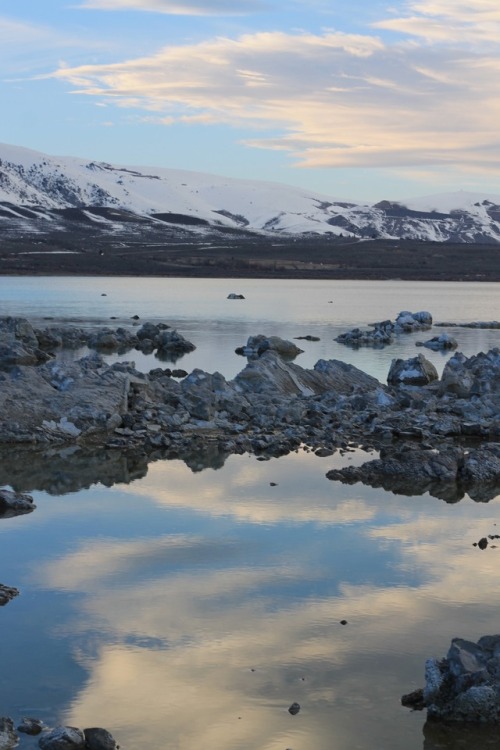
[{"x": 184, "y": 609}]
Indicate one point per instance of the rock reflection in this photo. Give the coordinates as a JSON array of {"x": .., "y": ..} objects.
[
  {"x": 60, "y": 471},
  {"x": 440, "y": 736}
]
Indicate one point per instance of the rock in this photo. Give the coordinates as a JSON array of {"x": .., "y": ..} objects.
[
  {"x": 294, "y": 709},
  {"x": 415, "y": 371},
  {"x": 7, "y": 593},
  {"x": 8, "y": 737},
  {"x": 257, "y": 345},
  {"x": 383, "y": 332},
  {"x": 473, "y": 376},
  {"x": 232, "y": 295},
  {"x": 30, "y": 726},
  {"x": 465, "y": 686},
  {"x": 99, "y": 739},
  {"x": 414, "y": 700},
  {"x": 15, "y": 503},
  {"x": 172, "y": 341},
  {"x": 444, "y": 342},
  {"x": 63, "y": 738}
]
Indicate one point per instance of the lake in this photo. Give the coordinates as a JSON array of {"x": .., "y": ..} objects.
[{"x": 184, "y": 609}]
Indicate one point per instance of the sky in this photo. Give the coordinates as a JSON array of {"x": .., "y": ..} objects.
[{"x": 362, "y": 100}]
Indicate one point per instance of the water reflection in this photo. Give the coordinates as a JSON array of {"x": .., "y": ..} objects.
[{"x": 198, "y": 606}]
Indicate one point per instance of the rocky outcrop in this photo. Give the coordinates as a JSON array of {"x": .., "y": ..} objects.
[
  {"x": 383, "y": 333},
  {"x": 465, "y": 685},
  {"x": 415, "y": 371},
  {"x": 22, "y": 344},
  {"x": 272, "y": 406}
]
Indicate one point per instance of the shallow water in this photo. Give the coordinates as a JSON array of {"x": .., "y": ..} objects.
[{"x": 182, "y": 608}]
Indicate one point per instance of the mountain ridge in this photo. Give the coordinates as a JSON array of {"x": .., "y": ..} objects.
[{"x": 40, "y": 192}]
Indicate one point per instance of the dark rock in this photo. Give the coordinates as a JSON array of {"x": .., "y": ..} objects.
[
  {"x": 414, "y": 700},
  {"x": 294, "y": 709},
  {"x": 482, "y": 543},
  {"x": 30, "y": 726},
  {"x": 99, "y": 739},
  {"x": 7, "y": 593}
]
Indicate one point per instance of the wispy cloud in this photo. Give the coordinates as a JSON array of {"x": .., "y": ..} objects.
[
  {"x": 343, "y": 100},
  {"x": 449, "y": 21},
  {"x": 181, "y": 7}
]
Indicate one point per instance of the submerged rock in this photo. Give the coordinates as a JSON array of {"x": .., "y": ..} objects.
[{"x": 444, "y": 342}]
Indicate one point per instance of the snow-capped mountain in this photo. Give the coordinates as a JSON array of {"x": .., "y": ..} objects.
[{"x": 40, "y": 193}]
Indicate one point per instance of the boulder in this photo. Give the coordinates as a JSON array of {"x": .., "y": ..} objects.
[
  {"x": 63, "y": 738},
  {"x": 99, "y": 739},
  {"x": 414, "y": 371},
  {"x": 473, "y": 376},
  {"x": 465, "y": 685}
]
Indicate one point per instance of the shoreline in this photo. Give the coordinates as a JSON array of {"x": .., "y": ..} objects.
[{"x": 258, "y": 258}]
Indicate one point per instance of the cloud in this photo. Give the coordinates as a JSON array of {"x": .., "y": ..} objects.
[
  {"x": 330, "y": 99},
  {"x": 180, "y": 7},
  {"x": 449, "y": 21}
]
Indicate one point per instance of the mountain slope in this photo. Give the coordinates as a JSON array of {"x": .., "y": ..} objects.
[{"x": 40, "y": 193}]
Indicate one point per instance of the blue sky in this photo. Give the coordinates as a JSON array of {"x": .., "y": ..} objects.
[{"x": 360, "y": 99}]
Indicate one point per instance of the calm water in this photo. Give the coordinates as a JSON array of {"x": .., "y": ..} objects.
[{"x": 185, "y": 609}]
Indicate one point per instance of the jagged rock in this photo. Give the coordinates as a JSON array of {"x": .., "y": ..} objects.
[
  {"x": 15, "y": 503},
  {"x": 232, "y": 295},
  {"x": 465, "y": 686},
  {"x": 8, "y": 737},
  {"x": 415, "y": 371},
  {"x": 63, "y": 738},
  {"x": 172, "y": 341},
  {"x": 444, "y": 342},
  {"x": 272, "y": 374},
  {"x": 474, "y": 376},
  {"x": 7, "y": 593}
]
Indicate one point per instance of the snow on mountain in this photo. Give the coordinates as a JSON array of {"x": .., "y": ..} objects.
[{"x": 38, "y": 190}]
